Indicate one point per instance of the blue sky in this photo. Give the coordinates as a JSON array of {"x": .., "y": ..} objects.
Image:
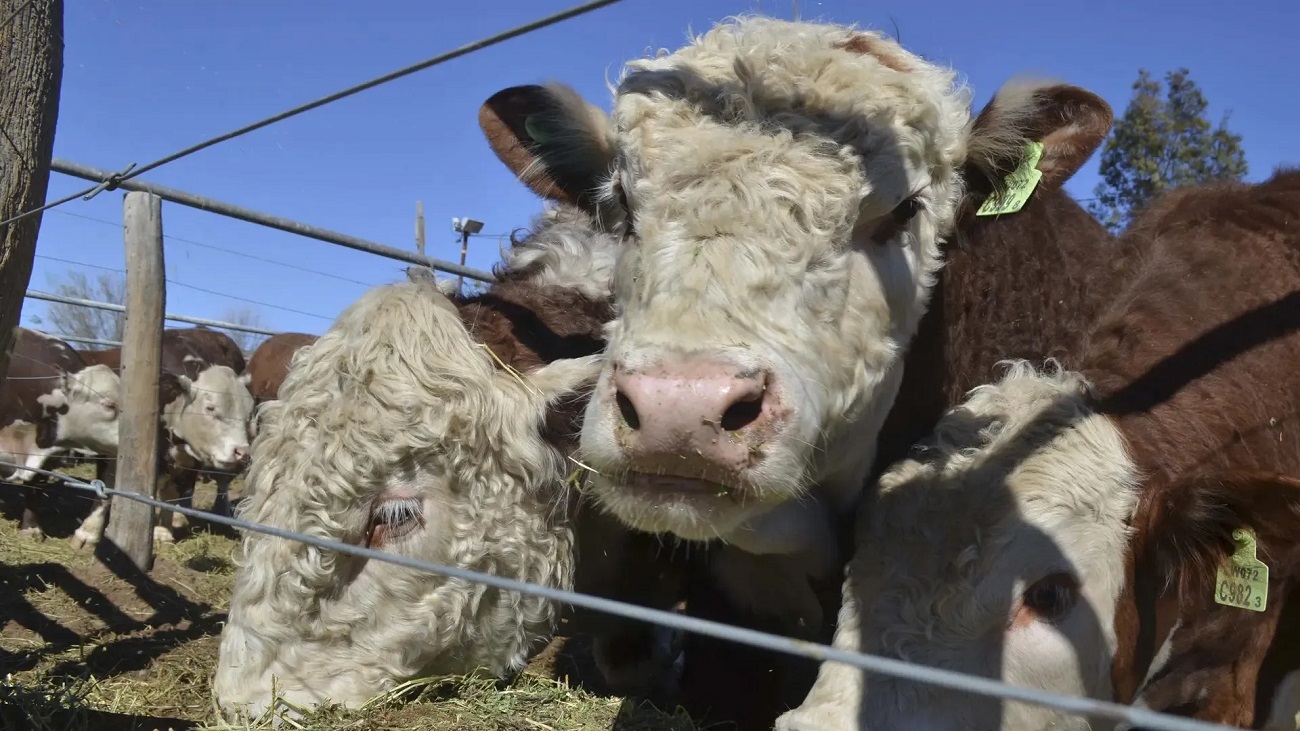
[{"x": 143, "y": 78}]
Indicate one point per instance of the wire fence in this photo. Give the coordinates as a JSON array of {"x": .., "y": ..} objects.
[
  {"x": 128, "y": 179},
  {"x": 798, "y": 648}
]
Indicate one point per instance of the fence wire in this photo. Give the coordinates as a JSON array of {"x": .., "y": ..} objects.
[
  {"x": 131, "y": 171},
  {"x": 1138, "y": 717}
]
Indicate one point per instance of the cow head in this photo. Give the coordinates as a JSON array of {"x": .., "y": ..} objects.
[
  {"x": 84, "y": 409},
  {"x": 998, "y": 550},
  {"x": 398, "y": 431},
  {"x": 1195, "y": 656},
  {"x": 783, "y": 190},
  {"x": 211, "y": 414}
]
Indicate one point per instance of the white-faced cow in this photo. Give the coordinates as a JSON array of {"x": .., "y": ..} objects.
[
  {"x": 1065, "y": 529},
  {"x": 52, "y": 403},
  {"x": 206, "y": 413},
  {"x": 437, "y": 428},
  {"x": 788, "y": 194}
]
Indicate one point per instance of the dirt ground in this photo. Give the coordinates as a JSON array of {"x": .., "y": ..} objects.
[{"x": 86, "y": 647}]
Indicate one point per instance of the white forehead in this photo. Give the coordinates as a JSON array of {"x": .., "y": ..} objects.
[
  {"x": 222, "y": 381},
  {"x": 1022, "y": 476},
  {"x": 750, "y": 76},
  {"x": 97, "y": 381}
]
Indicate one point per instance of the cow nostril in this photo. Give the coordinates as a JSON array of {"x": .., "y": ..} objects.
[
  {"x": 627, "y": 410},
  {"x": 743, "y": 413}
]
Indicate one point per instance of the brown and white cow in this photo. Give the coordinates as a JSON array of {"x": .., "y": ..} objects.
[
  {"x": 206, "y": 420},
  {"x": 763, "y": 180},
  {"x": 269, "y": 364},
  {"x": 437, "y": 428},
  {"x": 1063, "y": 529},
  {"x": 50, "y": 403}
]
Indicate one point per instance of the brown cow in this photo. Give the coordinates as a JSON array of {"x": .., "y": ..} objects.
[
  {"x": 180, "y": 347},
  {"x": 270, "y": 363},
  {"x": 1063, "y": 530},
  {"x": 1017, "y": 284},
  {"x": 50, "y": 403}
]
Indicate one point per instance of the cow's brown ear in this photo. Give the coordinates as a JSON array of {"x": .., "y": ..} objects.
[
  {"x": 1070, "y": 123},
  {"x": 1223, "y": 661},
  {"x": 553, "y": 140}
]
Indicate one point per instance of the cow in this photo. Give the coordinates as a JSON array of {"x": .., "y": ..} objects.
[
  {"x": 789, "y": 194},
  {"x": 178, "y": 346},
  {"x": 206, "y": 415},
  {"x": 1063, "y": 528},
  {"x": 52, "y": 403},
  {"x": 438, "y": 428},
  {"x": 270, "y": 363}
]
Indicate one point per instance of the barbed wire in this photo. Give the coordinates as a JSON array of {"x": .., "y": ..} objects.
[
  {"x": 786, "y": 645},
  {"x": 132, "y": 171}
]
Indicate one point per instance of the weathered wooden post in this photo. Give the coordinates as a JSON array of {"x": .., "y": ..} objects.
[
  {"x": 31, "y": 74},
  {"x": 130, "y": 525}
]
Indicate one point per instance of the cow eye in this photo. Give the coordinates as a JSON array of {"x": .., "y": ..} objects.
[
  {"x": 1052, "y": 597},
  {"x": 905, "y": 211},
  {"x": 392, "y": 519}
]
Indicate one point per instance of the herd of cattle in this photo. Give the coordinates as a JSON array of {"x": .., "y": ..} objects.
[
  {"x": 60, "y": 405},
  {"x": 751, "y": 365}
]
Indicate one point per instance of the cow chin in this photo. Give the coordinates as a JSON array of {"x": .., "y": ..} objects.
[{"x": 690, "y": 508}]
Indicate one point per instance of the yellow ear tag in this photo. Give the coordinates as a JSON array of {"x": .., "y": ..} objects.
[
  {"x": 1020, "y": 184},
  {"x": 1243, "y": 579}
]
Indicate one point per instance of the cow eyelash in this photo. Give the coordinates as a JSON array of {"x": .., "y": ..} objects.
[
  {"x": 898, "y": 218},
  {"x": 620, "y": 196},
  {"x": 393, "y": 518},
  {"x": 1051, "y": 598}
]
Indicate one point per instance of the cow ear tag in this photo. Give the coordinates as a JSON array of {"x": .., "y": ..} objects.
[
  {"x": 1243, "y": 578},
  {"x": 1020, "y": 184}
]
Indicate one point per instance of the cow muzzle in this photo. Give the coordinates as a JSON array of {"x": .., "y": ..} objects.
[{"x": 692, "y": 422}]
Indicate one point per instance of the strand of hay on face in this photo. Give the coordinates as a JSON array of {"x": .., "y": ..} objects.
[{"x": 523, "y": 381}]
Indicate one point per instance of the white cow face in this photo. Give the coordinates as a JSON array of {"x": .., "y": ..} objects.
[
  {"x": 397, "y": 431},
  {"x": 999, "y": 551},
  {"x": 85, "y": 409},
  {"x": 783, "y": 190},
  {"x": 212, "y": 416}
]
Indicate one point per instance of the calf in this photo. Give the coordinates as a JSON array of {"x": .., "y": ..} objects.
[
  {"x": 1017, "y": 284},
  {"x": 1063, "y": 530},
  {"x": 437, "y": 428},
  {"x": 52, "y": 403}
]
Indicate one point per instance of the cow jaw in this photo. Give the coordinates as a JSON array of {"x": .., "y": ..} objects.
[
  {"x": 998, "y": 552},
  {"x": 786, "y": 191}
]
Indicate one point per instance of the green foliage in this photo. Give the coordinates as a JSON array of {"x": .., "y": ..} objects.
[{"x": 1162, "y": 143}]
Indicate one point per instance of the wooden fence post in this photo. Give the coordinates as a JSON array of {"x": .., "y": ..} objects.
[{"x": 130, "y": 525}]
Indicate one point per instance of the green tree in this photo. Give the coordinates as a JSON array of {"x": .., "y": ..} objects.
[{"x": 1161, "y": 143}]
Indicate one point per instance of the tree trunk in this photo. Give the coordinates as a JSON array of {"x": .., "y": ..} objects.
[{"x": 31, "y": 73}]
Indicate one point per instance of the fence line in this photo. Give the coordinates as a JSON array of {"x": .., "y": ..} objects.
[
  {"x": 203, "y": 203},
  {"x": 776, "y": 643},
  {"x": 77, "y": 301},
  {"x": 88, "y": 341}
]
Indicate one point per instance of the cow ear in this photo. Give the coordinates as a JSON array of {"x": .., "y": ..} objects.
[
  {"x": 559, "y": 378},
  {"x": 1218, "y": 652},
  {"x": 1070, "y": 123},
  {"x": 245, "y": 378},
  {"x": 193, "y": 365},
  {"x": 552, "y": 139}
]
